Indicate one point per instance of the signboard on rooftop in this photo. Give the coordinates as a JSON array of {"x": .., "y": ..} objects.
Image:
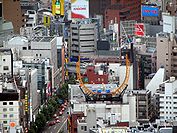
[
  {"x": 80, "y": 9},
  {"x": 139, "y": 29},
  {"x": 149, "y": 11}
]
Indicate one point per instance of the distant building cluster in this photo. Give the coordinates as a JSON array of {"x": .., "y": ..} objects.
[{"x": 122, "y": 55}]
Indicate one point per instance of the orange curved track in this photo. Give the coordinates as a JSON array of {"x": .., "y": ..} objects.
[{"x": 115, "y": 91}]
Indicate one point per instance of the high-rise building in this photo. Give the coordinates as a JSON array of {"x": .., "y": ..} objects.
[
  {"x": 166, "y": 53},
  {"x": 12, "y": 12},
  {"x": 123, "y": 10}
]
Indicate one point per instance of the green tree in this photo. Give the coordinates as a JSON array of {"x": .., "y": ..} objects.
[
  {"x": 45, "y": 111},
  {"x": 63, "y": 92},
  {"x": 33, "y": 128},
  {"x": 51, "y": 109},
  {"x": 53, "y": 102},
  {"x": 40, "y": 121}
]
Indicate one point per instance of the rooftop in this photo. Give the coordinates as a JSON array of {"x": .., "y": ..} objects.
[
  {"x": 20, "y": 40},
  {"x": 5, "y": 51},
  {"x": 6, "y": 26},
  {"x": 43, "y": 39}
]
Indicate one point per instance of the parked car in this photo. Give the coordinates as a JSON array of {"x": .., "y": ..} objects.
[
  {"x": 57, "y": 120},
  {"x": 61, "y": 112},
  {"x": 55, "y": 115},
  {"x": 51, "y": 123},
  {"x": 65, "y": 104},
  {"x": 63, "y": 109}
]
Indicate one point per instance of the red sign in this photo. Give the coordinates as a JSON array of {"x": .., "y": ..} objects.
[{"x": 139, "y": 29}]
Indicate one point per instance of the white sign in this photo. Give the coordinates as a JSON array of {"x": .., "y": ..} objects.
[
  {"x": 80, "y": 9},
  {"x": 168, "y": 24}
]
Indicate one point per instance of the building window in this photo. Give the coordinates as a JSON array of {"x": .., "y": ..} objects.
[
  {"x": 5, "y": 122},
  {"x": 4, "y": 103},
  {"x": 11, "y": 115},
  {"x": 11, "y": 109},
  {"x": 10, "y": 103},
  {"x": 85, "y": 128},
  {"x": 24, "y": 48},
  {"x": 5, "y": 115},
  {"x": 5, "y": 128},
  {"x": 4, "y": 109},
  {"x": 36, "y": 54},
  {"x": 5, "y": 68},
  {"x": 82, "y": 127},
  {"x": 4, "y": 59}
]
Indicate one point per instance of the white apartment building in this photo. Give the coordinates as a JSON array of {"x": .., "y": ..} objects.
[
  {"x": 9, "y": 105},
  {"x": 168, "y": 100},
  {"x": 6, "y": 62}
]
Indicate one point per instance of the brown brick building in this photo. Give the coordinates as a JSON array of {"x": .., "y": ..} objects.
[
  {"x": 94, "y": 77},
  {"x": 119, "y": 9},
  {"x": 12, "y": 12},
  {"x": 123, "y": 10}
]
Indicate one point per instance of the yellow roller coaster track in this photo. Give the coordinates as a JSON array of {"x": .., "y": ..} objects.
[{"x": 115, "y": 91}]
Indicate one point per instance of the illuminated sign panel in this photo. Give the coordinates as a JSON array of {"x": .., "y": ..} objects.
[
  {"x": 139, "y": 29},
  {"x": 80, "y": 9},
  {"x": 149, "y": 11}
]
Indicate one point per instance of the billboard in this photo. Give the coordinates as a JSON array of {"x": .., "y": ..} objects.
[
  {"x": 139, "y": 29},
  {"x": 80, "y": 9},
  {"x": 168, "y": 23},
  {"x": 149, "y": 11},
  {"x": 58, "y": 7}
]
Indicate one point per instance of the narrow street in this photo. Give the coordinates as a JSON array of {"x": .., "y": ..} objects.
[{"x": 62, "y": 126}]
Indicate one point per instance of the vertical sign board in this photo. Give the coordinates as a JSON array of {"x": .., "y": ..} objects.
[
  {"x": 168, "y": 23},
  {"x": 79, "y": 9},
  {"x": 62, "y": 8},
  {"x": 0, "y": 9},
  {"x": 139, "y": 29},
  {"x": 53, "y": 7}
]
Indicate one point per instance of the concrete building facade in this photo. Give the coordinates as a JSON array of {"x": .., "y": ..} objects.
[
  {"x": 6, "y": 61},
  {"x": 166, "y": 53},
  {"x": 143, "y": 105},
  {"x": 83, "y": 39},
  {"x": 168, "y": 100},
  {"x": 9, "y": 104},
  {"x": 38, "y": 49}
]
